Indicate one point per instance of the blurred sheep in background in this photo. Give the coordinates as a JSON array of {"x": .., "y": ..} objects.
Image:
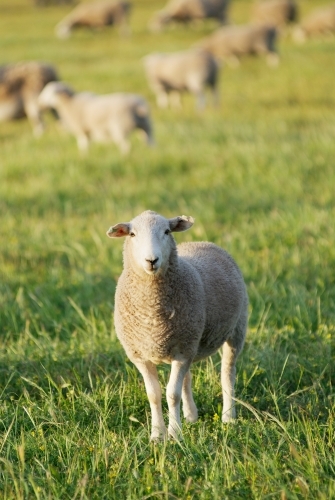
[
  {"x": 20, "y": 86},
  {"x": 99, "y": 118},
  {"x": 230, "y": 43},
  {"x": 278, "y": 13},
  {"x": 189, "y": 71},
  {"x": 319, "y": 22},
  {"x": 95, "y": 15},
  {"x": 185, "y": 11}
]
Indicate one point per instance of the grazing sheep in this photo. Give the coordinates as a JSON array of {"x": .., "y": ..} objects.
[
  {"x": 100, "y": 118},
  {"x": 177, "y": 304},
  {"x": 230, "y": 43},
  {"x": 276, "y": 13},
  {"x": 95, "y": 15},
  {"x": 171, "y": 74},
  {"x": 20, "y": 86},
  {"x": 320, "y": 22},
  {"x": 185, "y": 11}
]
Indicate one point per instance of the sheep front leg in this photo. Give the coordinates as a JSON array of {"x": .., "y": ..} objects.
[
  {"x": 150, "y": 376},
  {"x": 173, "y": 393}
]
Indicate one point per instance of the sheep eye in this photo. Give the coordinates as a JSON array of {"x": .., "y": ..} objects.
[
  {"x": 132, "y": 234},
  {"x": 167, "y": 231}
]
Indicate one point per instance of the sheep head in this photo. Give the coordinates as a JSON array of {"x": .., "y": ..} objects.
[
  {"x": 48, "y": 98},
  {"x": 149, "y": 242}
]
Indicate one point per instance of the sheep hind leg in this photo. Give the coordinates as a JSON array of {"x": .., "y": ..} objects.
[
  {"x": 175, "y": 99},
  {"x": 179, "y": 369},
  {"x": 231, "y": 349},
  {"x": 150, "y": 376},
  {"x": 189, "y": 408}
]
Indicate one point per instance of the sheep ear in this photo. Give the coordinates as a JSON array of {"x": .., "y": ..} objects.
[
  {"x": 118, "y": 230},
  {"x": 181, "y": 223}
]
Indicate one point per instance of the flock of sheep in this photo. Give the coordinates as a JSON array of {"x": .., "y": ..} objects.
[
  {"x": 28, "y": 88},
  {"x": 174, "y": 304}
]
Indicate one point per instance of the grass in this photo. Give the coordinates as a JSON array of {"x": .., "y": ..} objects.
[{"x": 258, "y": 175}]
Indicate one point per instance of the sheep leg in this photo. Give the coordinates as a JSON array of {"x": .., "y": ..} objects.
[
  {"x": 120, "y": 140},
  {"x": 150, "y": 376},
  {"x": 175, "y": 99},
  {"x": 231, "y": 349},
  {"x": 179, "y": 368},
  {"x": 162, "y": 99},
  {"x": 228, "y": 374},
  {"x": 201, "y": 101},
  {"x": 33, "y": 113},
  {"x": 189, "y": 408},
  {"x": 82, "y": 142}
]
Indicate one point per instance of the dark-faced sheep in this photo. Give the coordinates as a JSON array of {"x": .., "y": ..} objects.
[
  {"x": 99, "y": 118},
  {"x": 178, "y": 72},
  {"x": 95, "y": 15},
  {"x": 20, "y": 86},
  {"x": 230, "y": 43},
  {"x": 278, "y": 13},
  {"x": 185, "y": 11},
  {"x": 318, "y": 23},
  {"x": 177, "y": 304}
]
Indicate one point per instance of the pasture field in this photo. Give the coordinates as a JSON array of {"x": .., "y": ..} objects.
[{"x": 258, "y": 174}]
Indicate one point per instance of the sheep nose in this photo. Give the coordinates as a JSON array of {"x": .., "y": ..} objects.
[{"x": 152, "y": 261}]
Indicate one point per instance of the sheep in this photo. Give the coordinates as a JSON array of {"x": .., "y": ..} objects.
[
  {"x": 20, "y": 86},
  {"x": 171, "y": 74},
  {"x": 176, "y": 305},
  {"x": 101, "y": 118},
  {"x": 230, "y": 43},
  {"x": 95, "y": 15},
  {"x": 276, "y": 13},
  {"x": 185, "y": 11},
  {"x": 319, "y": 22}
]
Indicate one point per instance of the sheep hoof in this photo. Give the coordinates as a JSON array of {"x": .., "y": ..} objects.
[
  {"x": 174, "y": 434},
  {"x": 191, "y": 417},
  {"x": 228, "y": 419},
  {"x": 158, "y": 436}
]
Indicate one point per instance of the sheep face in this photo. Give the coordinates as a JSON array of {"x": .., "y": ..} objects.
[
  {"x": 149, "y": 242},
  {"x": 48, "y": 96}
]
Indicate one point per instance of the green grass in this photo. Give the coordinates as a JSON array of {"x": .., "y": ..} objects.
[{"x": 258, "y": 175}]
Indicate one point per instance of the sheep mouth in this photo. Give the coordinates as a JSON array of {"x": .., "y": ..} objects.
[{"x": 152, "y": 270}]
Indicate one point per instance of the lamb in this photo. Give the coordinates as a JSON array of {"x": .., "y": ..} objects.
[
  {"x": 101, "y": 118},
  {"x": 276, "y": 13},
  {"x": 320, "y": 22},
  {"x": 95, "y": 15},
  {"x": 176, "y": 305},
  {"x": 185, "y": 11},
  {"x": 230, "y": 43},
  {"x": 191, "y": 71},
  {"x": 20, "y": 86}
]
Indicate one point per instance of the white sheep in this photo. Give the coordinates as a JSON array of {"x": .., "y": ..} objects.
[
  {"x": 100, "y": 118},
  {"x": 276, "y": 13},
  {"x": 20, "y": 86},
  {"x": 185, "y": 11},
  {"x": 319, "y": 22},
  {"x": 95, "y": 15},
  {"x": 177, "y": 304},
  {"x": 230, "y": 43},
  {"x": 186, "y": 71}
]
